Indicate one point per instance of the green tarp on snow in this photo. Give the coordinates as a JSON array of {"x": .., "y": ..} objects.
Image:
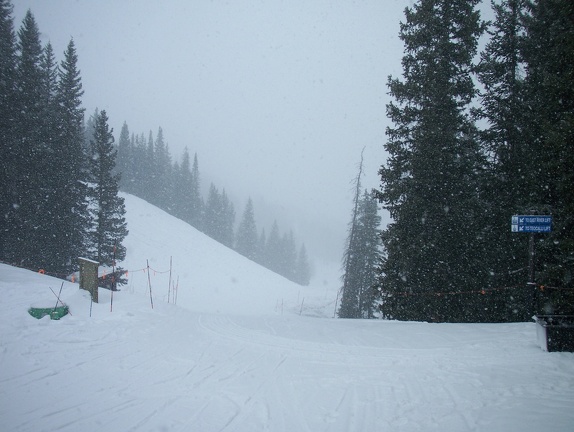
[{"x": 55, "y": 313}]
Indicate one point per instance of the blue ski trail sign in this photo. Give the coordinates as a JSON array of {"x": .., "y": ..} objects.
[{"x": 531, "y": 223}]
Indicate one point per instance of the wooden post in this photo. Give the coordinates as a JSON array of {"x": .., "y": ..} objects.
[{"x": 89, "y": 277}]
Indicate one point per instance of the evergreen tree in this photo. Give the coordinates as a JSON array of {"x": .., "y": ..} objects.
[
  {"x": 273, "y": 250},
  {"x": 68, "y": 198},
  {"x": 227, "y": 221},
  {"x": 303, "y": 269},
  {"x": 161, "y": 169},
  {"x": 361, "y": 259},
  {"x": 430, "y": 182},
  {"x": 182, "y": 186},
  {"x": 147, "y": 178},
  {"x": 212, "y": 216},
  {"x": 219, "y": 217},
  {"x": 288, "y": 256},
  {"x": 350, "y": 290},
  {"x": 124, "y": 164},
  {"x": 46, "y": 234},
  {"x": 247, "y": 241},
  {"x": 195, "y": 200},
  {"x": 506, "y": 180},
  {"x": 8, "y": 114},
  {"x": 29, "y": 151},
  {"x": 548, "y": 51},
  {"x": 141, "y": 166},
  {"x": 261, "y": 249},
  {"x": 107, "y": 207}
]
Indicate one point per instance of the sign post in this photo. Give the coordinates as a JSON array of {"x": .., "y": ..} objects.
[{"x": 531, "y": 224}]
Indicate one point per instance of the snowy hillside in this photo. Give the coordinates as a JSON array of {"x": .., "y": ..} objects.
[{"x": 247, "y": 350}]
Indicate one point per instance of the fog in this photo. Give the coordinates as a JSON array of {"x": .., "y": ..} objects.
[{"x": 277, "y": 98}]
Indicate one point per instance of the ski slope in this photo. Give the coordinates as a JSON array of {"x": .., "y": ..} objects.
[{"x": 246, "y": 350}]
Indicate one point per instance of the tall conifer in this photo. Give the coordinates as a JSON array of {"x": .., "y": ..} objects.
[
  {"x": 246, "y": 242},
  {"x": 106, "y": 206},
  {"x": 70, "y": 165},
  {"x": 7, "y": 123},
  {"x": 430, "y": 182}
]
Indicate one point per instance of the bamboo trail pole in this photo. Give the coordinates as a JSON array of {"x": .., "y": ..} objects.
[
  {"x": 176, "y": 290},
  {"x": 336, "y": 302},
  {"x": 58, "y": 296},
  {"x": 59, "y": 299},
  {"x": 149, "y": 284},
  {"x": 113, "y": 279},
  {"x": 169, "y": 283}
]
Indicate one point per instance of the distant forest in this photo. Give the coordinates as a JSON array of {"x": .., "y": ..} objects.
[
  {"x": 60, "y": 175},
  {"x": 147, "y": 171}
]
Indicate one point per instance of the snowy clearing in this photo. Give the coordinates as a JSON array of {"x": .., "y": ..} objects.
[{"x": 246, "y": 350}]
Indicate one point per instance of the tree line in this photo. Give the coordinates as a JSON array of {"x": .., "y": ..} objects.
[
  {"x": 61, "y": 176},
  {"x": 475, "y": 139},
  {"x": 59, "y": 197},
  {"x": 147, "y": 171}
]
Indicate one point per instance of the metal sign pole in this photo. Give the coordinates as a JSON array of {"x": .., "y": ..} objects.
[{"x": 531, "y": 224}]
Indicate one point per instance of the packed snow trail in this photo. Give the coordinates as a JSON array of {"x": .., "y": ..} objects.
[
  {"x": 171, "y": 369},
  {"x": 239, "y": 352}
]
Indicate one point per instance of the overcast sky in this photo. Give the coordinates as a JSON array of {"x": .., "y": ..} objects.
[{"x": 277, "y": 98}]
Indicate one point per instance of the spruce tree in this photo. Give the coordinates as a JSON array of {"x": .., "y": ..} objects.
[
  {"x": 361, "y": 260},
  {"x": 288, "y": 256},
  {"x": 8, "y": 113},
  {"x": 181, "y": 188},
  {"x": 506, "y": 186},
  {"x": 29, "y": 151},
  {"x": 212, "y": 216},
  {"x": 161, "y": 170},
  {"x": 69, "y": 166},
  {"x": 303, "y": 268},
  {"x": 548, "y": 51},
  {"x": 349, "y": 290},
  {"x": 124, "y": 164},
  {"x": 262, "y": 249},
  {"x": 273, "y": 250},
  {"x": 433, "y": 247},
  {"x": 194, "y": 198},
  {"x": 107, "y": 208},
  {"x": 246, "y": 242},
  {"x": 227, "y": 221}
]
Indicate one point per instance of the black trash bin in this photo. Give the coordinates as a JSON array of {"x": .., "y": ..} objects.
[{"x": 555, "y": 332}]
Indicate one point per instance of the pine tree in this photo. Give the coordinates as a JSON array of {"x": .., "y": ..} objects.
[
  {"x": 361, "y": 260},
  {"x": 8, "y": 168},
  {"x": 430, "y": 182},
  {"x": 227, "y": 221},
  {"x": 161, "y": 170},
  {"x": 195, "y": 200},
  {"x": 303, "y": 268},
  {"x": 68, "y": 199},
  {"x": 506, "y": 180},
  {"x": 288, "y": 256},
  {"x": 548, "y": 51},
  {"x": 368, "y": 253},
  {"x": 273, "y": 250},
  {"x": 29, "y": 151},
  {"x": 246, "y": 243},
  {"x": 261, "y": 249},
  {"x": 212, "y": 216},
  {"x": 124, "y": 164},
  {"x": 350, "y": 291},
  {"x": 106, "y": 206},
  {"x": 181, "y": 188},
  {"x": 219, "y": 217}
]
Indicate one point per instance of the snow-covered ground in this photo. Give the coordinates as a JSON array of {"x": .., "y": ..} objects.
[{"x": 245, "y": 350}]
